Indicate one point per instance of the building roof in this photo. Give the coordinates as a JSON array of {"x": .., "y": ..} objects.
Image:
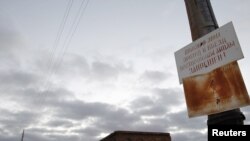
[{"x": 135, "y": 133}]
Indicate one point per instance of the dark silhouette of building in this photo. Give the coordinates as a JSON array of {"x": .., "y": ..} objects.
[{"x": 137, "y": 136}]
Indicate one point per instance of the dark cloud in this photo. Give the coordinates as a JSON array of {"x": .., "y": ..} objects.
[
  {"x": 107, "y": 117},
  {"x": 9, "y": 138},
  {"x": 63, "y": 137},
  {"x": 12, "y": 122},
  {"x": 31, "y": 136},
  {"x": 17, "y": 78},
  {"x": 60, "y": 123}
]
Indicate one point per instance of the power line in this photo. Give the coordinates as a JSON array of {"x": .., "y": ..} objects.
[
  {"x": 77, "y": 21},
  {"x": 58, "y": 60},
  {"x": 54, "y": 62},
  {"x": 60, "y": 31},
  {"x": 52, "y": 50}
]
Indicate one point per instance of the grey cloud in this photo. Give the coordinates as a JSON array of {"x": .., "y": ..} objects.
[
  {"x": 154, "y": 76},
  {"x": 142, "y": 101},
  {"x": 189, "y": 135},
  {"x": 147, "y": 106},
  {"x": 46, "y": 132},
  {"x": 161, "y": 123},
  {"x": 63, "y": 137},
  {"x": 118, "y": 119},
  {"x": 180, "y": 119},
  {"x": 97, "y": 71},
  {"x": 150, "y": 126},
  {"x": 154, "y": 110},
  {"x": 60, "y": 123},
  {"x": 159, "y": 103},
  {"x": 91, "y": 131},
  {"x": 15, "y": 121},
  {"x": 9, "y": 37},
  {"x": 124, "y": 68},
  {"x": 37, "y": 130},
  {"x": 10, "y": 43},
  {"x": 23, "y": 88},
  {"x": 17, "y": 78},
  {"x": 74, "y": 64},
  {"x": 171, "y": 97},
  {"x": 79, "y": 110},
  {"x": 33, "y": 97},
  {"x": 51, "y": 135},
  {"x": 103, "y": 71},
  {"x": 9, "y": 138},
  {"x": 31, "y": 136},
  {"x": 108, "y": 116}
]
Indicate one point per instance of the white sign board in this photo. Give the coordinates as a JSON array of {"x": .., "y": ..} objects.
[{"x": 209, "y": 52}]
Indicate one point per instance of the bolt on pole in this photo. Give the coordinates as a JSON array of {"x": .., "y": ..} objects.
[{"x": 202, "y": 21}]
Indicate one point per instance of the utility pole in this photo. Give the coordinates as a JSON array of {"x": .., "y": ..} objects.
[
  {"x": 202, "y": 21},
  {"x": 22, "y": 135}
]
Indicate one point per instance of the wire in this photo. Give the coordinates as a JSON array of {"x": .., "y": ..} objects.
[
  {"x": 52, "y": 50},
  {"x": 68, "y": 39}
]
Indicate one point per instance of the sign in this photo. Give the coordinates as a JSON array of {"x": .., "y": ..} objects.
[
  {"x": 213, "y": 50},
  {"x": 220, "y": 90},
  {"x": 210, "y": 73}
]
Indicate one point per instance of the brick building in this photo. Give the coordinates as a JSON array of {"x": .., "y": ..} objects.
[{"x": 137, "y": 136}]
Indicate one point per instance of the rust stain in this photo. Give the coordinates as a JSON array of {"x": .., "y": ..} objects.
[{"x": 220, "y": 90}]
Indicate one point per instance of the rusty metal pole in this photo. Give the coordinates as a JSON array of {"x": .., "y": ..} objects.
[{"x": 202, "y": 21}]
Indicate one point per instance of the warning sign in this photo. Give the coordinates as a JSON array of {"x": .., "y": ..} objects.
[
  {"x": 210, "y": 73},
  {"x": 213, "y": 50}
]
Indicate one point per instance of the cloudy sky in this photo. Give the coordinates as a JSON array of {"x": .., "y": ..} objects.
[{"x": 79, "y": 70}]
